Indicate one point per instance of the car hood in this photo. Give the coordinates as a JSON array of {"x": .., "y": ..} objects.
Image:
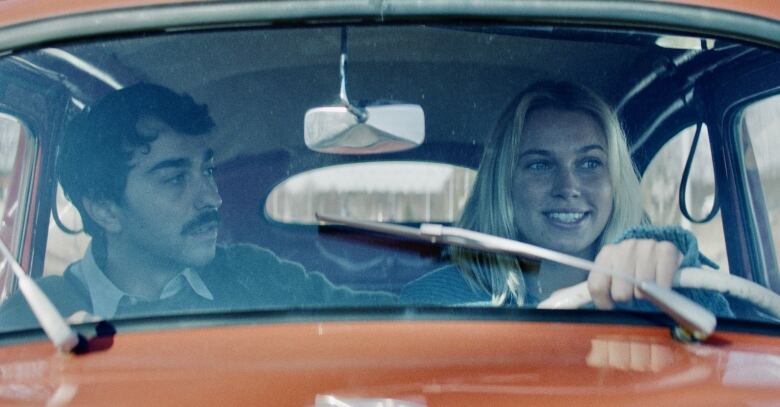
[{"x": 411, "y": 362}]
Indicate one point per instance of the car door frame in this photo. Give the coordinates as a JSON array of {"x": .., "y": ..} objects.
[{"x": 724, "y": 93}]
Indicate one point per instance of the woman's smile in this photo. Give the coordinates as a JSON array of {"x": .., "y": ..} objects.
[{"x": 566, "y": 218}]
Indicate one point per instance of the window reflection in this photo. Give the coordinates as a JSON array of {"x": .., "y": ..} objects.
[
  {"x": 752, "y": 369},
  {"x": 394, "y": 191},
  {"x": 638, "y": 355},
  {"x": 10, "y": 131}
]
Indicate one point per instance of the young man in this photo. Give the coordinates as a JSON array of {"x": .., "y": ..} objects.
[{"x": 139, "y": 169}]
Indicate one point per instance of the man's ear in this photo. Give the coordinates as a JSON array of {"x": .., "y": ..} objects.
[{"x": 105, "y": 213}]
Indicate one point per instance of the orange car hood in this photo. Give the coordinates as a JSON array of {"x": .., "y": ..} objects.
[{"x": 429, "y": 363}]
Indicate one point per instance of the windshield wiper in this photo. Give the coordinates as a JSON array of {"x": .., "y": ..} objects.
[
  {"x": 695, "y": 320},
  {"x": 58, "y": 331}
]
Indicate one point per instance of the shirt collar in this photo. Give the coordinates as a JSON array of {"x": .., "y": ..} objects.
[
  {"x": 105, "y": 296},
  {"x": 186, "y": 277}
]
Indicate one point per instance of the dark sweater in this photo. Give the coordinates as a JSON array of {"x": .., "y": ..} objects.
[{"x": 240, "y": 277}]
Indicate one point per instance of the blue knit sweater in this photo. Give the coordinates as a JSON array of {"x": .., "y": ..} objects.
[{"x": 447, "y": 286}]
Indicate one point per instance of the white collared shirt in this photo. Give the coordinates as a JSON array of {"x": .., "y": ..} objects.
[{"x": 105, "y": 296}]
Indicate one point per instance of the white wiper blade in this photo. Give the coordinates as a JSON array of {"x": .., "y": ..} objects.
[
  {"x": 58, "y": 331},
  {"x": 696, "y": 320}
]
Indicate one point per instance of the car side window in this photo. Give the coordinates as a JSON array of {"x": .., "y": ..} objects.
[
  {"x": 10, "y": 132},
  {"x": 17, "y": 162},
  {"x": 661, "y": 189},
  {"x": 64, "y": 248},
  {"x": 758, "y": 130}
]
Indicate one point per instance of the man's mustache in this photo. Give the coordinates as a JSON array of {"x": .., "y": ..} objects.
[{"x": 202, "y": 219}]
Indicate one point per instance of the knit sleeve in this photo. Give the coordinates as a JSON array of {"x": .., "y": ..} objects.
[
  {"x": 686, "y": 243},
  {"x": 684, "y": 240}
]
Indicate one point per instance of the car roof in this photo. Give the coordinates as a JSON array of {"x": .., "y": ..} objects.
[{"x": 20, "y": 11}]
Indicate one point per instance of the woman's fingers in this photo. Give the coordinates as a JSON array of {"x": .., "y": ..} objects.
[
  {"x": 644, "y": 260},
  {"x": 623, "y": 260},
  {"x": 599, "y": 284},
  {"x": 645, "y": 270},
  {"x": 669, "y": 259}
]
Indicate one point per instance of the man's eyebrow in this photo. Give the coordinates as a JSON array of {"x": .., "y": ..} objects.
[
  {"x": 180, "y": 162},
  {"x": 172, "y": 163}
]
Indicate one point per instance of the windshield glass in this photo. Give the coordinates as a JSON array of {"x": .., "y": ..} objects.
[{"x": 181, "y": 172}]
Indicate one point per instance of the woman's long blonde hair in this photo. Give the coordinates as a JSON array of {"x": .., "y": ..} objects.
[{"x": 490, "y": 208}]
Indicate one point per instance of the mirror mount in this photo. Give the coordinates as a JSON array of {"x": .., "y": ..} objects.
[
  {"x": 350, "y": 129},
  {"x": 360, "y": 114}
]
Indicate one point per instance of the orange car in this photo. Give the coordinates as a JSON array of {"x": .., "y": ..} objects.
[{"x": 389, "y": 203}]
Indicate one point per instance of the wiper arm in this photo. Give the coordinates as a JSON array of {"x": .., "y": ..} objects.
[
  {"x": 58, "y": 331},
  {"x": 694, "y": 319}
]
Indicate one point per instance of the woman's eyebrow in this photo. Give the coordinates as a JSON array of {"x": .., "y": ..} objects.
[
  {"x": 546, "y": 153},
  {"x": 535, "y": 151},
  {"x": 590, "y": 147}
]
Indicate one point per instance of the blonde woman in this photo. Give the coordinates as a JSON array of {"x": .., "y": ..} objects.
[{"x": 558, "y": 174}]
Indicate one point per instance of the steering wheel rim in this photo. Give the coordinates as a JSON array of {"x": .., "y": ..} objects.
[{"x": 578, "y": 295}]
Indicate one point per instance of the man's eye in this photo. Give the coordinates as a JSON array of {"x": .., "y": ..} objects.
[{"x": 176, "y": 179}]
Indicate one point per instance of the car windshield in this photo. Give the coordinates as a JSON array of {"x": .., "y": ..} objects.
[{"x": 182, "y": 172}]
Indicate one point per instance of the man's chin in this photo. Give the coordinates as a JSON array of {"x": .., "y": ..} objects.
[{"x": 201, "y": 258}]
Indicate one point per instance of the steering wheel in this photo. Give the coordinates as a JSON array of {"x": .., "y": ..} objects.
[{"x": 691, "y": 277}]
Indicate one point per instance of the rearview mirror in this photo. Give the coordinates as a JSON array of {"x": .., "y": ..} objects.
[
  {"x": 383, "y": 129},
  {"x": 348, "y": 129}
]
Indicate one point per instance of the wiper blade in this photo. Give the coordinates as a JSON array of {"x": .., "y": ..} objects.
[
  {"x": 58, "y": 331},
  {"x": 694, "y": 319}
]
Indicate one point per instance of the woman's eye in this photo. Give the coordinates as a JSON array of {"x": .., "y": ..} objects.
[
  {"x": 592, "y": 163},
  {"x": 538, "y": 165}
]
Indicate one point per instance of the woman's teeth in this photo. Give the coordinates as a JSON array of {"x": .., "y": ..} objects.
[{"x": 566, "y": 217}]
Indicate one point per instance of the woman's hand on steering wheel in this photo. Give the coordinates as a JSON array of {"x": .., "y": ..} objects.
[{"x": 644, "y": 259}]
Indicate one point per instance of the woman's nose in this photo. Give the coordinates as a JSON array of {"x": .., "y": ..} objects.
[{"x": 566, "y": 184}]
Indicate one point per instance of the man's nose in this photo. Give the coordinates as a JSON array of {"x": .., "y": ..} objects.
[
  {"x": 208, "y": 194},
  {"x": 566, "y": 184}
]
